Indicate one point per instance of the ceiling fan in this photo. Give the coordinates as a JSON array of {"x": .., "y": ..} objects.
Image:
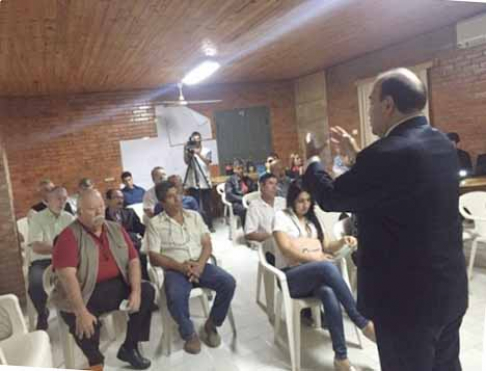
[{"x": 183, "y": 102}]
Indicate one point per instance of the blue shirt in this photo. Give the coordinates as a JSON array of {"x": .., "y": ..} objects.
[
  {"x": 134, "y": 195},
  {"x": 188, "y": 203}
]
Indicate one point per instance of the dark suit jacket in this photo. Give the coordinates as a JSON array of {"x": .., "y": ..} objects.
[
  {"x": 404, "y": 190},
  {"x": 131, "y": 223},
  {"x": 233, "y": 191}
]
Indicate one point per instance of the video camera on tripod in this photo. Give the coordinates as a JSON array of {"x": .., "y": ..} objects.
[{"x": 191, "y": 146}]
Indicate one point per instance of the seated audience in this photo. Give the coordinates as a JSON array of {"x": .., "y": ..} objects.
[
  {"x": 179, "y": 241},
  {"x": 306, "y": 258},
  {"x": 83, "y": 185},
  {"x": 283, "y": 181},
  {"x": 150, "y": 198},
  {"x": 261, "y": 211},
  {"x": 98, "y": 268},
  {"x": 465, "y": 163},
  {"x": 129, "y": 220},
  {"x": 188, "y": 202},
  {"x": 132, "y": 193},
  {"x": 296, "y": 168},
  {"x": 236, "y": 187},
  {"x": 44, "y": 226},
  {"x": 44, "y": 187}
]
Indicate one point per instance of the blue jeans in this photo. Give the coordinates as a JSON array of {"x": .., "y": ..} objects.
[
  {"x": 324, "y": 281},
  {"x": 36, "y": 285},
  {"x": 178, "y": 288}
]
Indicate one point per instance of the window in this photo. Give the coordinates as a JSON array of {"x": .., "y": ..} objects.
[{"x": 364, "y": 90}]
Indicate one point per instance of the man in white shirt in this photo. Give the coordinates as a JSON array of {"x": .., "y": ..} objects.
[
  {"x": 44, "y": 226},
  {"x": 179, "y": 241},
  {"x": 261, "y": 211},
  {"x": 150, "y": 198}
]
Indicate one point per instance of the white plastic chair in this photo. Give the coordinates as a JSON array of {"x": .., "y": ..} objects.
[
  {"x": 249, "y": 197},
  {"x": 23, "y": 229},
  {"x": 266, "y": 280},
  {"x": 339, "y": 231},
  {"x": 472, "y": 206},
  {"x": 114, "y": 323},
  {"x": 156, "y": 276},
  {"x": 291, "y": 309},
  {"x": 228, "y": 209},
  {"x": 138, "y": 210},
  {"x": 18, "y": 347}
]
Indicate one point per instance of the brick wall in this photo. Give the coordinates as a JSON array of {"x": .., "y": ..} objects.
[
  {"x": 457, "y": 83},
  {"x": 67, "y": 138},
  {"x": 11, "y": 278}
]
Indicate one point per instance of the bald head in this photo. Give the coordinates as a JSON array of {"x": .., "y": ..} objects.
[
  {"x": 397, "y": 94},
  {"x": 91, "y": 209}
]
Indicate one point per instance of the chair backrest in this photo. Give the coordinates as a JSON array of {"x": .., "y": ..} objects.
[
  {"x": 23, "y": 228},
  {"x": 473, "y": 205},
  {"x": 327, "y": 219},
  {"x": 138, "y": 208},
  {"x": 481, "y": 165},
  {"x": 11, "y": 317},
  {"x": 249, "y": 197},
  {"x": 220, "y": 189}
]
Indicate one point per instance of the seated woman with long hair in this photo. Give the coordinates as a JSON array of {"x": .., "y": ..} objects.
[{"x": 306, "y": 258}]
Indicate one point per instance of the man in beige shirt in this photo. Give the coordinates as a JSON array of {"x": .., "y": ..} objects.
[
  {"x": 179, "y": 241},
  {"x": 44, "y": 226}
]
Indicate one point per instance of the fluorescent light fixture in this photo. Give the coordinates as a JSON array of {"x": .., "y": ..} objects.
[
  {"x": 469, "y": 1},
  {"x": 201, "y": 72}
]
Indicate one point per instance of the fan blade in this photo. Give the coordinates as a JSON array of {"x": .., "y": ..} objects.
[
  {"x": 175, "y": 102},
  {"x": 204, "y": 101}
]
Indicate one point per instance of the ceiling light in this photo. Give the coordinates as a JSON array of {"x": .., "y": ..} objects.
[
  {"x": 201, "y": 72},
  {"x": 470, "y": 1}
]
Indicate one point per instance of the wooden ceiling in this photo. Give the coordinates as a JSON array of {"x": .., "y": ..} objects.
[{"x": 66, "y": 46}]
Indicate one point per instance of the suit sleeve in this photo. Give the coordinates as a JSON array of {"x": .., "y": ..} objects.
[{"x": 375, "y": 180}]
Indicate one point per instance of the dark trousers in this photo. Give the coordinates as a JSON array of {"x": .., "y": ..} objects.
[
  {"x": 203, "y": 197},
  {"x": 324, "y": 281},
  {"x": 178, "y": 288},
  {"x": 106, "y": 298},
  {"x": 418, "y": 348},
  {"x": 36, "y": 286},
  {"x": 239, "y": 209}
]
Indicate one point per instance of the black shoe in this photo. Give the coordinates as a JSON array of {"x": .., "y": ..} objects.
[
  {"x": 43, "y": 321},
  {"x": 133, "y": 356}
]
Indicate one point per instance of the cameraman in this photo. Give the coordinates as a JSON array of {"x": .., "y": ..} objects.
[{"x": 198, "y": 178}]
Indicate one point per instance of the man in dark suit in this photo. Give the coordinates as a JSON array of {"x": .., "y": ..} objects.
[
  {"x": 465, "y": 163},
  {"x": 128, "y": 218},
  {"x": 404, "y": 190},
  {"x": 236, "y": 187}
]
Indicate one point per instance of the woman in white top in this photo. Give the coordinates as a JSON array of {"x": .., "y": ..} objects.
[{"x": 306, "y": 258}]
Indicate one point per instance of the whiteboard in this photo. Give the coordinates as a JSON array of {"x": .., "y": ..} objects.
[{"x": 140, "y": 156}]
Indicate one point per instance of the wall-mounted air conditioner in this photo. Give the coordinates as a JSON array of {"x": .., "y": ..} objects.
[{"x": 471, "y": 32}]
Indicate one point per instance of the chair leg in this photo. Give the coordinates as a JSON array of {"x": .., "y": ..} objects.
[
  {"x": 166, "y": 324},
  {"x": 31, "y": 313},
  {"x": 67, "y": 342},
  {"x": 278, "y": 316},
  {"x": 316, "y": 316},
  {"x": 231, "y": 319},
  {"x": 289, "y": 319},
  {"x": 359, "y": 336},
  {"x": 204, "y": 304},
  {"x": 259, "y": 284},
  {"x": 474, "y": 247},
  {"x": 297, "y": 329},
  {"x": 269, "y": 295}
]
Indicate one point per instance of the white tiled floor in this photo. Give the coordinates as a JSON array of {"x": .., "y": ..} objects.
[{"x": 253, "y": 348}]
